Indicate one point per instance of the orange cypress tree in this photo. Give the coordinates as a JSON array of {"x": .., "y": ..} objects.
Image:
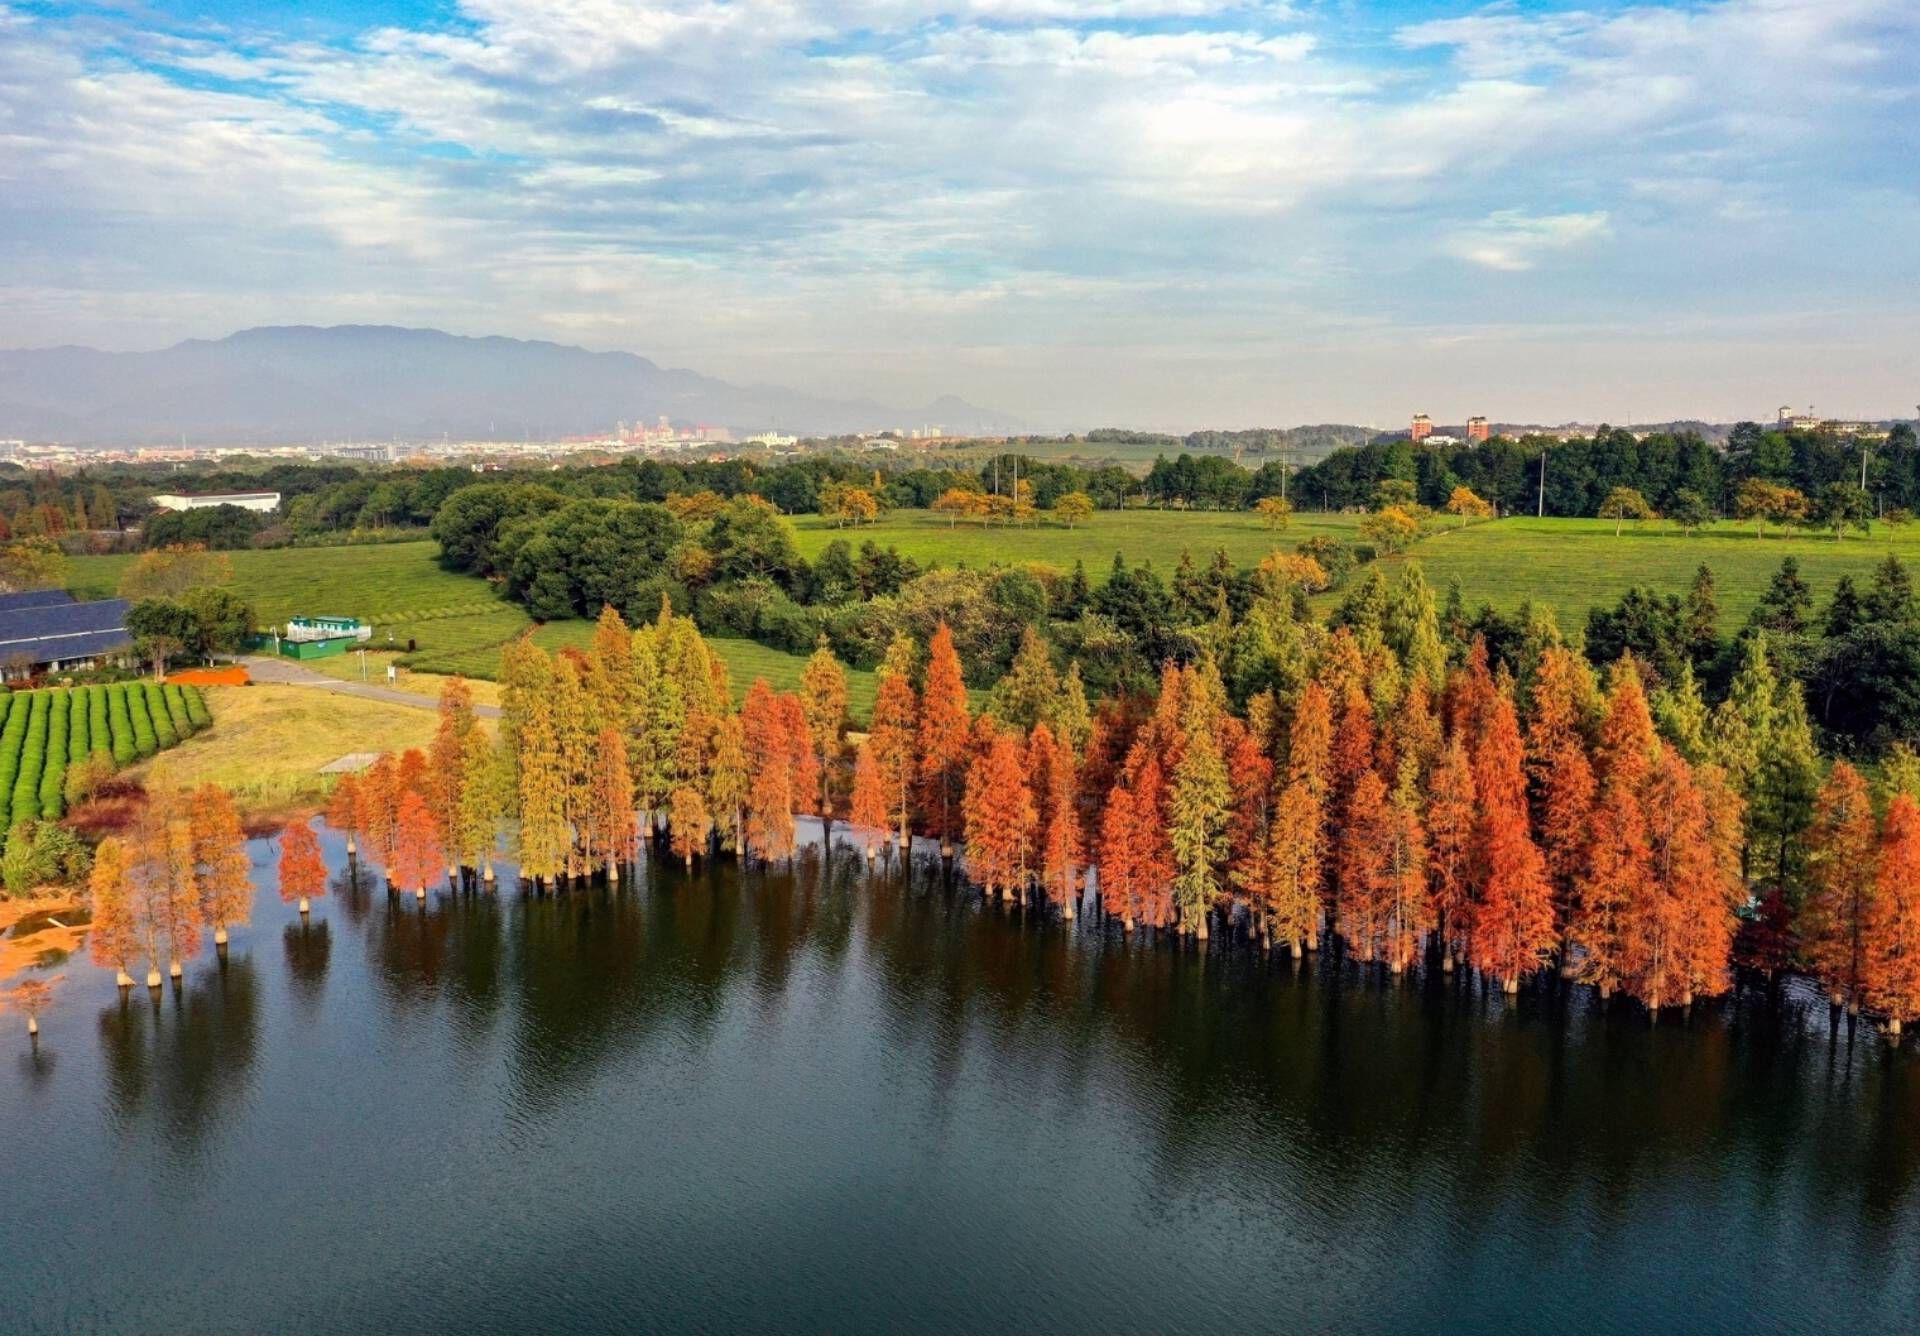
[
  {"x": 823, "y": 699},
  {"x": 1513, "y": 923},
  {"x": 114, "y": 937},
  {"x": 692, "y": 824},
  {"x": 770, "y": 832},
  {"x": 446, "y": 758},
  {"x": 1120, "y": 872},
  {"x": 945, "y": 735},
  {"x": 1451, "y": 824},
  {"x": 895, "y": 709},
  {"x": 1310, "y": 741},
  {"x": 1618, "y": 872},
  {"x": 1153, "y": 847},
  {"x": 1294, "y": 870},
  {"x": 1407, "y": 895},
  {"x": 417, "y": 857},
  {"x": 221, "y": 866},
  {"x": 1680, "y": 930},
  {"x": 1892, "y": 937},
  {"x": 378, "y": 804},
  {"x": 1250, "y": 775},
  {"x": 343, "y": 809},
  {"x": 805, "y": 775},
  {"x": 612, "y": 838},
  {"x": 303, "y": 873},
  {"x": 1060, "y": 848},
  {"x": 1361, "y": 867},
  {"x": 729, "y": 780},
  {"x": 180, "y": 921},
  {"x": 410, "y": 775},
  {"x": 869, "y": 810},
  {"x": 1842, "y": 844},
  {"x": 1353, "y": 744},
  {"x": 762, "y": 726},
  {"x": 999, "y": 817}
]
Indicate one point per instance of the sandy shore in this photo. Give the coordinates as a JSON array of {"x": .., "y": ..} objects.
[{"x": 51, "y": 930}]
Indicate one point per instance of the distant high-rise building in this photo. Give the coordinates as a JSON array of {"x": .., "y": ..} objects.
[
  {"x": 1422, "y": 427},
  {"x": 1477, "y": 429}
]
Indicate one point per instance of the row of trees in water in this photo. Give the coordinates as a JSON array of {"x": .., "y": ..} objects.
[
  {"x": 180, "y": 867},
  {"x": 1513, "y": 821}
]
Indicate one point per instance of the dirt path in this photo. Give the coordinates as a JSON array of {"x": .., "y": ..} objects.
[{"x": 289, "y": 673}]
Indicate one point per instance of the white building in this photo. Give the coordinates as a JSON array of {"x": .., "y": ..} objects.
[{"x": 261, "y": 501}]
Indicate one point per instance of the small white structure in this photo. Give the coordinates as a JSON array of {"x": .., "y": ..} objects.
[{"x": 261, "y": 501}]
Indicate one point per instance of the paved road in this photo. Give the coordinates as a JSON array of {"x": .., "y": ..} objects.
[{"x": 288, "y": 673}]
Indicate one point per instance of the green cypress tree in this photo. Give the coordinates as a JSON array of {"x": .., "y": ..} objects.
[{"x": 1197, "y": 814}]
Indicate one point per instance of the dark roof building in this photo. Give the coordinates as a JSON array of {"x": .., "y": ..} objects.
[{"x": 45, "y": 630}]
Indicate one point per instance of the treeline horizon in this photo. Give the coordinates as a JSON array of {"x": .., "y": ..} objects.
[{"x": 1404, "y": 801}]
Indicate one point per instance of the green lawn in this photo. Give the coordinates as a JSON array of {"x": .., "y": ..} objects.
[
  {"x": 1575, "y": 564},
  {"x": 1159, "y": 536}
]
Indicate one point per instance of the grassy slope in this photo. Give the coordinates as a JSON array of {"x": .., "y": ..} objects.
[
  {"x": 1575, "y": 564},
  {"x": 267, "y": 743},
  {"x": 1159, "y": 536}
]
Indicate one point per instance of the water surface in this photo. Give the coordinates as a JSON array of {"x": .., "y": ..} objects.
[{"x": 836, "y": 1101}]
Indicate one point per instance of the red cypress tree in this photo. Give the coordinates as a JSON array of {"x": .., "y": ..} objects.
[
  {"x": 1680, "y": 929},
  {"x": 895, "y": 749},
  {"x": 1154, "y": 848},
  {"x": 1892, "y": 937},
  {"x": 1513, "y": 923},
  {"x": 1250, "y": 775},
  {"x": 804, "y": 776},
  {"x": 770, "y": 833}
]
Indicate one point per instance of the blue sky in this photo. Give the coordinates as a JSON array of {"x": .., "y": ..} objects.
[{"x": 1161, "y": 212}]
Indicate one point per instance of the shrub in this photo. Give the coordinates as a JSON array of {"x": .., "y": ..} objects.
[
  {"x": 79, "y": 724},
  {"x": 25, "y": 804},
  {"x": 145, "y": 741},
  {"x": 85, "y": 775},
  {"x": 99, "y": 731},
  {"x": 163, "y": 730},
  {"x": 126, "y": 744},
  {"x": 177, "y": 710},
  {"x": 197, "y": 707},
  {"x": 53, "y": 771}
]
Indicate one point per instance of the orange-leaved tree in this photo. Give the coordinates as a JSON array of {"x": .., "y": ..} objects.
[
  {"x": 895, "y": 745},
  {"x": 869, "y": 810},
  {"x": 1452, "y": 822},
  {"x": 1513, "y": 923},
  {"x": 999, "y": 817},
  {"x": 114, "y": 937},
  {"x": 1892, "y": 957},
  {"x": 222, "y": 868},
  {"x": 343, "y": 810},
  {"x": 303, "y": 873},
  {"x": 945, "y": 736},
  {"x": 417, "y": 856},
  {"x": 691, "y": 822}
]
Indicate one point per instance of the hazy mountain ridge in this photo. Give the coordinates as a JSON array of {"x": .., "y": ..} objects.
[{"x": 296, "y": 383}]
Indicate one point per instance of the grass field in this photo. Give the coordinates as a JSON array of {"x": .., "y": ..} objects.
[
  {"x": 268, "y": 743},
  {"x": 1159, "y": 536},
  {"x": 1573, "y": 565}
]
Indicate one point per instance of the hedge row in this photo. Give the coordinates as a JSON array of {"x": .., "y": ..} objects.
[{"x": 43, "y": 732}]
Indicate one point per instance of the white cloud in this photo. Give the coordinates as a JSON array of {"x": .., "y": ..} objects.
[
  {"x": 890, "y": 182},
  {"x": 1512, "y": 241}
]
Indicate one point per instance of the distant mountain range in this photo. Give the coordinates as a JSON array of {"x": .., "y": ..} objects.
[{"x": 299, "y": 383}]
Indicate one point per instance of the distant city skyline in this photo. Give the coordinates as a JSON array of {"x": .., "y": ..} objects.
[{"x": 1161, "y": 214}]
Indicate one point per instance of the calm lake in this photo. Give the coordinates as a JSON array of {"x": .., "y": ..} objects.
[{"x": 833, "y": 1102}]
